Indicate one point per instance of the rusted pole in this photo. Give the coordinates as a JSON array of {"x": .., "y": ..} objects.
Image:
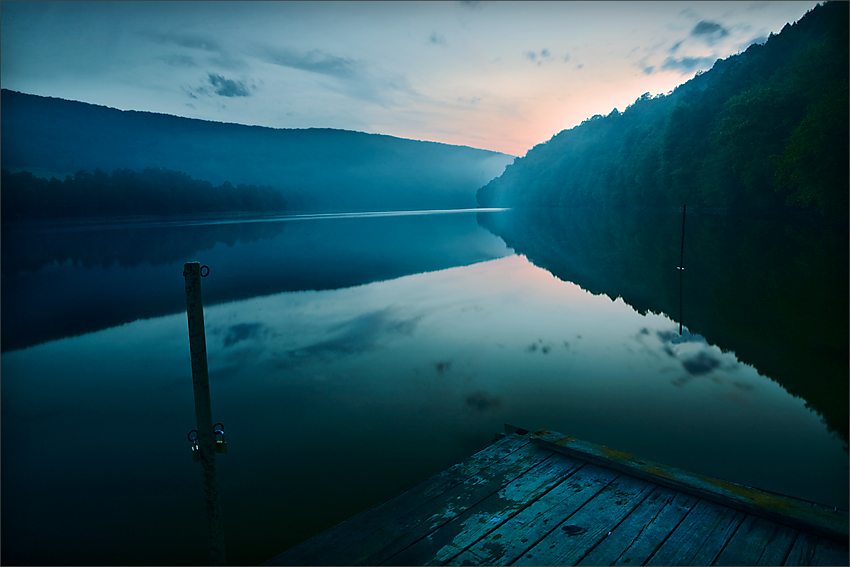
[{"x": 203, "y": 409}]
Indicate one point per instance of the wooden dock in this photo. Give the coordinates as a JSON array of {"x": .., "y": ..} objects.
[{"x": 547, "y": 499}]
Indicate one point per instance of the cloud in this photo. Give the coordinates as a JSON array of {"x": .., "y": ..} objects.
[
  {"x": 709, "y": 32},
  {"x": 378, "y": 89},
  {"x": 437, "y": 39},
  {"x": 706, "y": 32},
  {"x": 204, "y": 44},
  {"x": 180, "y": 61},
  {"x": 544, "y": 55},
  {"x": 194, "y": 43},
  {"x": 187, "y": 41},
  {"x": 709, "y": 28},
  {"x": 313, "y": 61},
  {"x": 228, "y": 87},
  {"x": 687, "y": 64},
  {"x": 221, "y": 86},
  {"x": 355, "y": 79}
]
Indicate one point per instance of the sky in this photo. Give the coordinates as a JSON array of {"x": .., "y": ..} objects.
[{"x": 501, "y": 76}]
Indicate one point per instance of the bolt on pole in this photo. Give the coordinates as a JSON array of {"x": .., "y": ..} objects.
[{"x": 203, "y": 409}]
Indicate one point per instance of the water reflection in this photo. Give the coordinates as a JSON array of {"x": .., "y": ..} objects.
[
  {"x": 773, "y": 290},
  {"x": 68, "y": 280},
  {"x": 336, "y": 399}
]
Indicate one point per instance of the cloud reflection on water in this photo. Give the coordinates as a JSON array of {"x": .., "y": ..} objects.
[
  {"x": 360, "y": 334},
  {"x": 482, "y": 401},
  {"x": 241, "y": 332},
  {"x": 702, "y": 363},
  {"x": 392, "y": 378}
]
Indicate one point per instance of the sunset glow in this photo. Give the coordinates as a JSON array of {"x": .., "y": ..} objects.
[{"x": 503, "y": 76}]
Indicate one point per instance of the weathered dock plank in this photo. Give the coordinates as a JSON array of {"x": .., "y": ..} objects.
[
  {"x": 547, "y": 499},
  {"x": 314, "y": 550},
  {"x": 471, "y": 525},
  {"x": 700, "y": 537},
  {"x": 574, "y": 536},
  {"x": 396, "y": 535},
  {"x": 758, "y": 541},
  {"x": 643, "y": 531},
  {"x": 505, "y": 544},
  {"x": 810, "y": 549},
  {"x": 797, "y": 513}
]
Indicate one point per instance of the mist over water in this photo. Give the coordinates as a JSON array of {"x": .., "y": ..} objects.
[
  {"x": 74, "y": 278},
  {"x": 353, "y": 357}
]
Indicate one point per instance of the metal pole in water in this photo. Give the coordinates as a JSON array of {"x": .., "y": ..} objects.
[
  {"x": 682, "y": 255},
  {"x": 682, "y": 266},
  {"x": 192, "y": 273},
  {"x": 680, "y": 302}
]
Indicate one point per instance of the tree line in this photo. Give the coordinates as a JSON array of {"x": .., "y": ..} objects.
[
  {"x": 155, "y": 192},
  {"x": 319, "y": 169},
  {"x": 764, "y": 129}
]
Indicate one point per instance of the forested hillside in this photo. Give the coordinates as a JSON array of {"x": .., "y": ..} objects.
[
  {"x": 764, "y": 129},
  {"x": 314, "y": 169}
]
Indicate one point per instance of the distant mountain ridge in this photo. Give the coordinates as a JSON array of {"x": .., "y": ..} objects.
[
  {"x": 315, "y": 169},
  {"x": 764, "y": 129}
]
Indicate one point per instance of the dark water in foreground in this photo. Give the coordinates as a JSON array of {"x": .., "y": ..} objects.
[{"x": 353, "y": 357}]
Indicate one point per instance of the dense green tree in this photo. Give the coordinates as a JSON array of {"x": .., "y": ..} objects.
[
  {"x": 155, "y": 192},
  {"x": 764, "y": 129},
  {"x": 814, "y": 162}
]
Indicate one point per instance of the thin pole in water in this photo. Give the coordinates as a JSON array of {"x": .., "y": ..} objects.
[
  {"x": 682, "y": 265},
  {"x": 682, "y": 255},
  {"x": 203, "y": 409},
  {"x": 680, "y": 302}
]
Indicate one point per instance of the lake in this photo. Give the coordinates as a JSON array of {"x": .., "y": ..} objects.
[{"x": 352, "y": 356}]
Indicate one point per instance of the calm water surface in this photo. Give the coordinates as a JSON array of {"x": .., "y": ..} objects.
[{"x": 349, "y": 359}]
